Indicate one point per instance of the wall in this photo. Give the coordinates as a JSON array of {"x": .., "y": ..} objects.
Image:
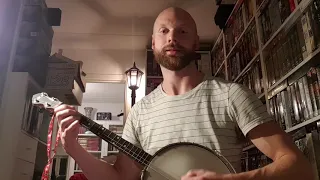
[
  {"x": 9, "y": 11},
  {"x": 107, "y": 44},
  {"x": 109, "y": 66}
]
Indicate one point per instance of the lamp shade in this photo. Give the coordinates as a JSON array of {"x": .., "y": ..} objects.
[{"x": 134, "y": 77}]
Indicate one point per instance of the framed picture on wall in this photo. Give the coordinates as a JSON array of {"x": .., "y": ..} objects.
[{"x": 104, "y": 116}]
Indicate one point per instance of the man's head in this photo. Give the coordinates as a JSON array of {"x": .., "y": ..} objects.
[{"x": 174, "y": 39}]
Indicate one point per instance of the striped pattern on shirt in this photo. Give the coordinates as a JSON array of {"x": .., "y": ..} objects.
[{"x": 207, "y": 115}]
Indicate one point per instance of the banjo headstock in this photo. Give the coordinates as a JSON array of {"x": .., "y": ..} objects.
[{"x": 43, "y": 101}]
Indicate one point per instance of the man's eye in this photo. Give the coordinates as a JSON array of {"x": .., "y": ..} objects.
[
  {"x": 183, "y": 31},
  {"x": 164, "y": 31}
]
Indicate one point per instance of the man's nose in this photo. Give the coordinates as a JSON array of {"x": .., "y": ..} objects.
[{"x": 172, "y": 37}]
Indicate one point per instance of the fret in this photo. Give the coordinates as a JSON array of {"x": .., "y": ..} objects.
[
  {"x": 119, "y": 139},
  {"x": 122, "y": 143},
  {"x": 136, "y": 155},
  {"x": 145, "y": 158},
  {"x": 130, "y": 147},
  {"x": 127, "y": 146},
  {"x": 111, "y": 135},
  {"x": 140, "y": 156}
]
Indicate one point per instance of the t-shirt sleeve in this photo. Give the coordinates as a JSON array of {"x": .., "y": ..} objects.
[
  {"x": 246, "y": 108},
  {"x": 130, "y": 128}
]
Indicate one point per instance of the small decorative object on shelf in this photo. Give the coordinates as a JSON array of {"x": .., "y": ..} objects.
[
  {"x": 88, "y": 112},
  {"x": 104, "y": 116}
]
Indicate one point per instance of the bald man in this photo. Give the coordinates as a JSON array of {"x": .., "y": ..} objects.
[{"x": 186, "y": 107}]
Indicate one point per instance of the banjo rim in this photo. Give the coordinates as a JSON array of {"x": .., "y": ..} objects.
[{"x": 217, "y": 153}]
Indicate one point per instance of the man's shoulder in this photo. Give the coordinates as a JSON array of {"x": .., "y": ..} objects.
[
  {"x": 149, "y": 99},
  {"x": 219, "y": 83},
  {"x": 218, "y": 86}
]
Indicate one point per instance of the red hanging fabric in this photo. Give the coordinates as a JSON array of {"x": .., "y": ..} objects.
[{"x": 45, "y": 174}]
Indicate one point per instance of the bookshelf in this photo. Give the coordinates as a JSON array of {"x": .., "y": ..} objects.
[{"x": 272, "y": 47}]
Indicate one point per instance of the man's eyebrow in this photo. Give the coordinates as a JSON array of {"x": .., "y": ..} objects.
[{"x": 179, "y": 25}]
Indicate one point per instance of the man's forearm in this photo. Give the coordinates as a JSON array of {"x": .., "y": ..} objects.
[
  {"x": 286, "y": 167},
  {"x": 94, "y": 168}
]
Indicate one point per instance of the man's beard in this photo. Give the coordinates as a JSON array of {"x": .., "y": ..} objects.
[{"x": 176, "y": 62}]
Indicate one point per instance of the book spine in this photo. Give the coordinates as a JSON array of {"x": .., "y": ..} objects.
[
  {"x": 308, "y": 98},
  {"x": 299, "y": 102},
  {"x": 290, "y": 106},
  {"x": 315, "y": 82},
  {"x": 312, "y": 93},
  {"x": 302, "y": 34},
  {"x": 286, "y": 109}
]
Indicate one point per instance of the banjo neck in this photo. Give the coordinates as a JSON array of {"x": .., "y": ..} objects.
[
  {"x": 121, "y": 144},
  {"x": 43, "y": 101}
]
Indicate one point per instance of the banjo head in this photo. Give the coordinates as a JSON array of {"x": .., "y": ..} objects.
[{"x": 175, "y": 160}]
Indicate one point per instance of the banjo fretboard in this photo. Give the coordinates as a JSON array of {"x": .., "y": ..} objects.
[{"x": 121, "y": 144}]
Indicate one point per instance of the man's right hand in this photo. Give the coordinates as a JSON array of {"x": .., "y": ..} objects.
[{"x": 68, "y": 122}]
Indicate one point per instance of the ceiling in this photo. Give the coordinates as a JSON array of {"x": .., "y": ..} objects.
[
  {"x": 104, "y": 92},
  {"x": 123, "y": 24}
]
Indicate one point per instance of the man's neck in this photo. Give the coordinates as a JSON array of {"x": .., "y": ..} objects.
[{"x": 176, "y": 83}]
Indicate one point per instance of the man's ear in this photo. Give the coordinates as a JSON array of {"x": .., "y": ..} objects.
[{"x": 152, "y": 45}]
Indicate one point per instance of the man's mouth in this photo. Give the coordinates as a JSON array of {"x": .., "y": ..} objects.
[{"x": 172, "y": 51}]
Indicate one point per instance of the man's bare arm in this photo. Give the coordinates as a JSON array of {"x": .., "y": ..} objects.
[
  {"x": 94, "y": 169},
  {"x": 289, "y": 162}
]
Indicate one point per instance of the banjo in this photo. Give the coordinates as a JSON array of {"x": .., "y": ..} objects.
[{"x": 169, "y": 163}]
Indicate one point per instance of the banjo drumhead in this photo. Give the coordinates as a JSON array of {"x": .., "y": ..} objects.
[{"x": 176, "y": 160}]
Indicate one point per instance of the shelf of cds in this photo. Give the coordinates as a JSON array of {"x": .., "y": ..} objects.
[{"x": 272, "y": 47}]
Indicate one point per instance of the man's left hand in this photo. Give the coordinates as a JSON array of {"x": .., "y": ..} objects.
[{"x": 200, "y": 174}]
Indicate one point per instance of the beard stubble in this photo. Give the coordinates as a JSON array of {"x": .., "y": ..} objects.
[{"x": 174, "y": 62}]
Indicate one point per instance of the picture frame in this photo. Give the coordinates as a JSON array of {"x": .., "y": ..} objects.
[{"x": 104, "y": 116}]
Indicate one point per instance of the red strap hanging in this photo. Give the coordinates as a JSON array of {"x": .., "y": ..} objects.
[{"x": 45, "y": 174}]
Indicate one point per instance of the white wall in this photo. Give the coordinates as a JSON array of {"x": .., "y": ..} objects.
[{"x": 107, "y": 44}]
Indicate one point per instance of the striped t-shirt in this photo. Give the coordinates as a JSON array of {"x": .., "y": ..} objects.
[{"x": 207, "y": 115}]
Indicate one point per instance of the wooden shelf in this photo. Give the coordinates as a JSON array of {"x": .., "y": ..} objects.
[
  {"x": 285, "y": 77},
  {"x": 87, "y": 135},
  {"x": 94, "y": 152},
  {"x": 247, "y": 67},
  {"x": 248, "y": 147},
  {"x": 113, "y": 152},
  {"x": 240, "y": 37},
  {"x": 261, "y": 96},
  {"x": 296, "y": 127},
  {"x": 261, "y": 6},
  {"x": 220, "y": 67},
  {"x": 303, "y": 124},
  {"x": 287, "y": 24},
  {"x": 217, "y": 41}
]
